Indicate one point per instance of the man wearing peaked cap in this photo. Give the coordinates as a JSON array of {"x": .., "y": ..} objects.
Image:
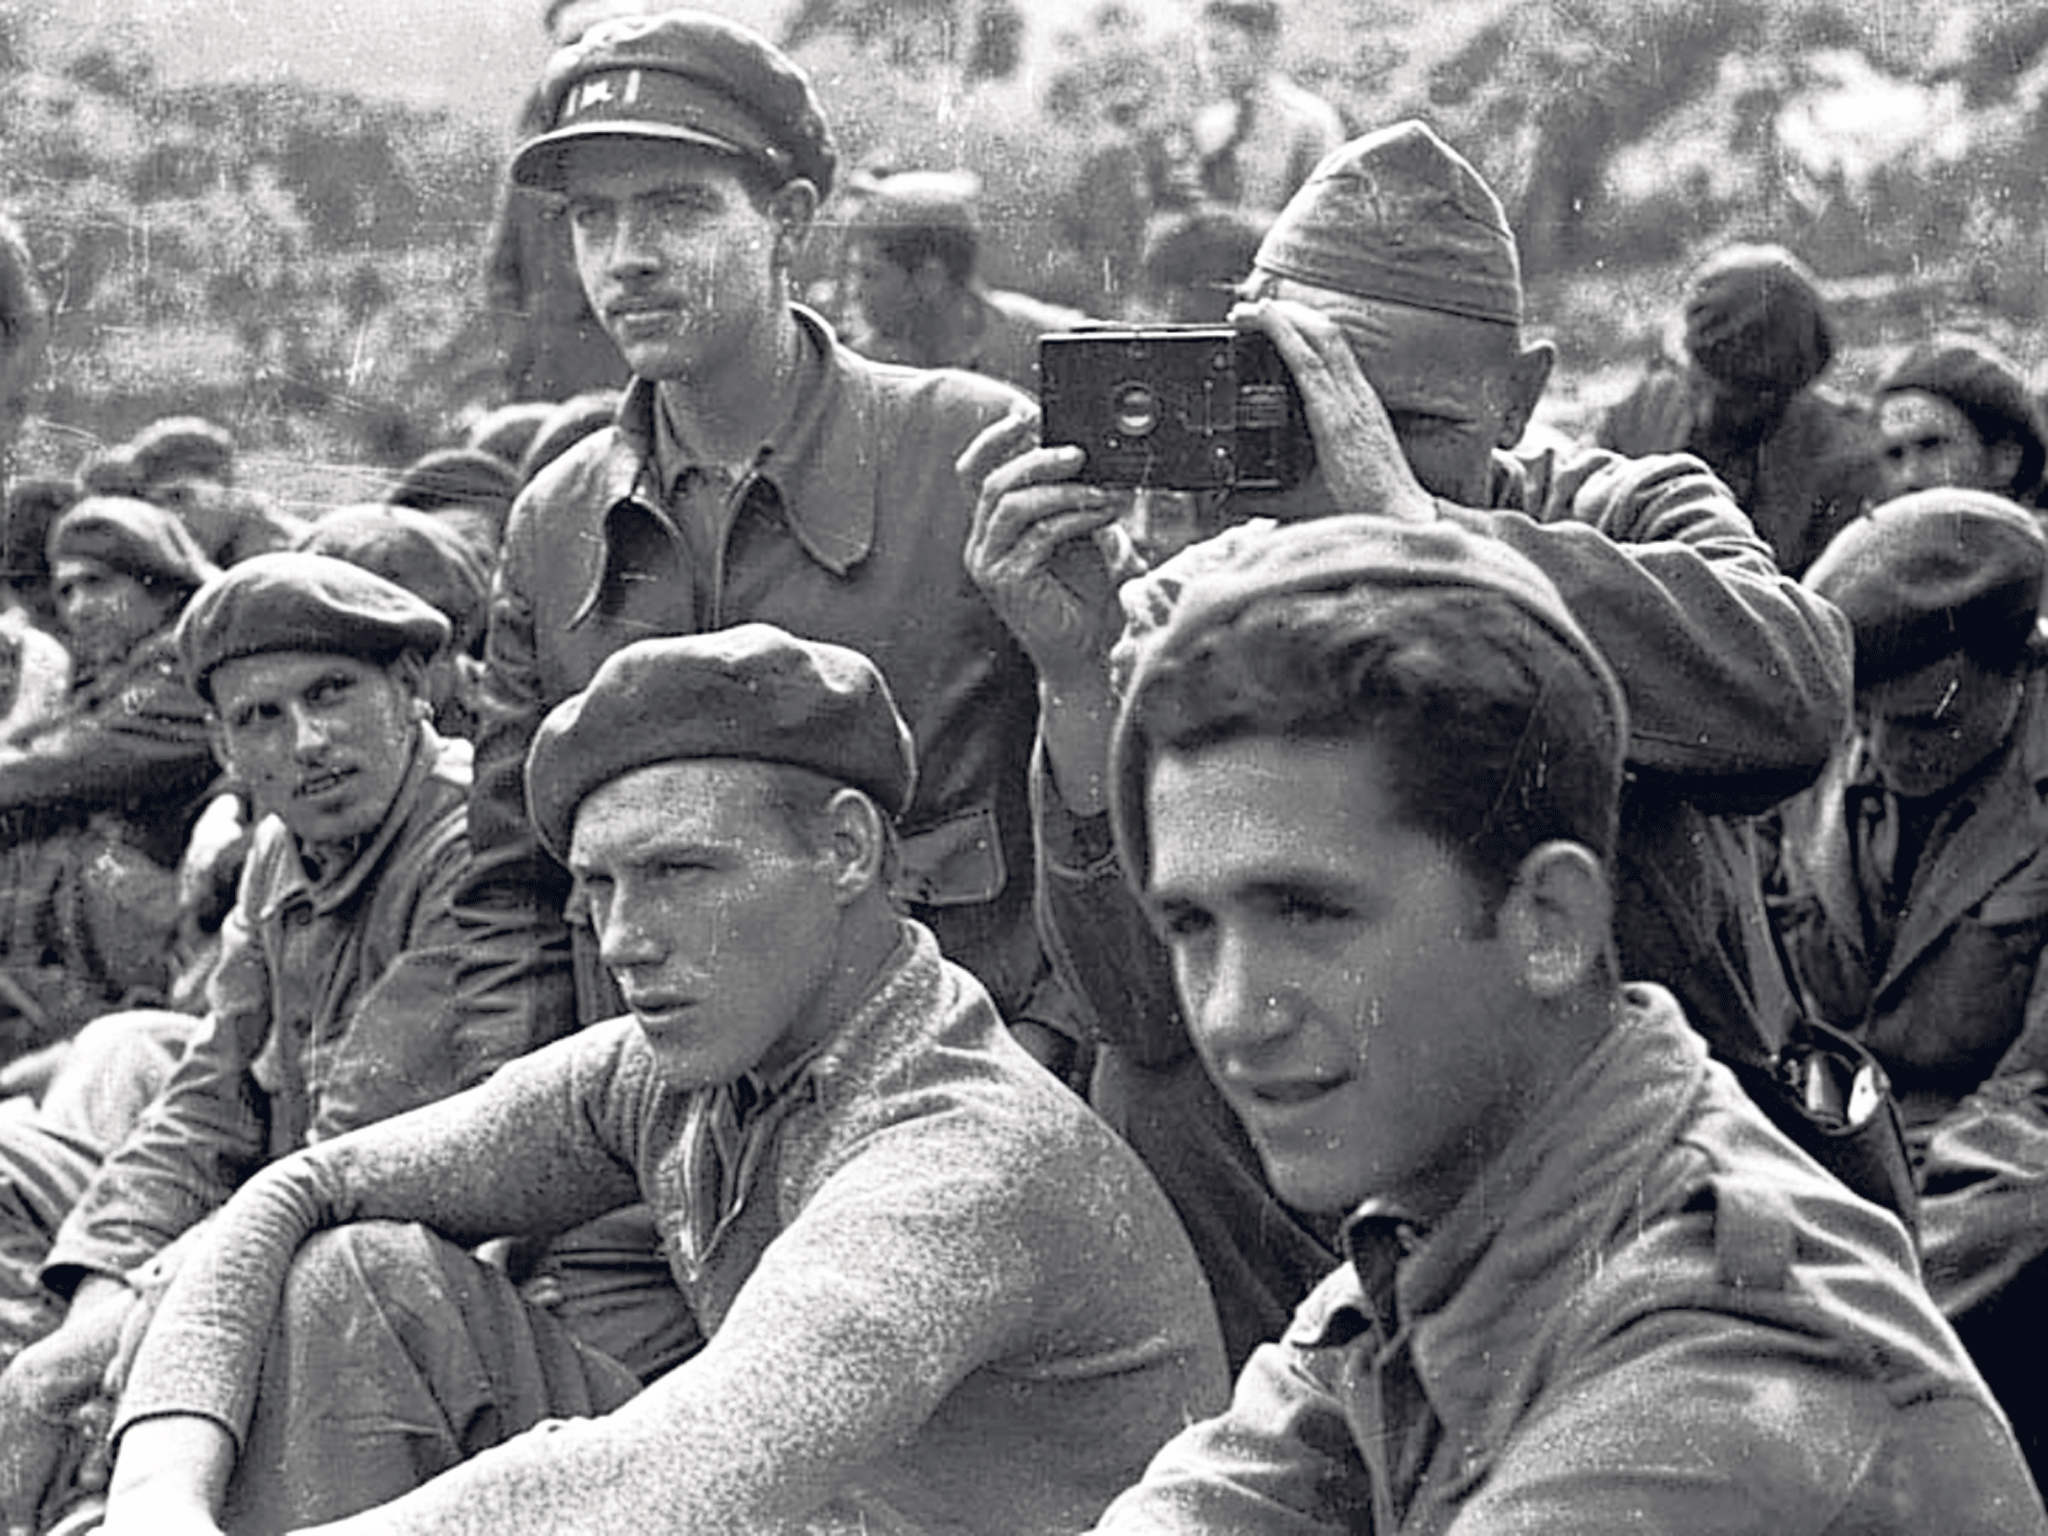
[
  {"x": 329, "y": 1006},
  {"x": 851, "y": 1162},
  {"x": 1366, "y": 779},
  {"x": 1391, "y": 286},
  {"x": 1914, "y": 893},
  {"x": 757, "y": 470}
]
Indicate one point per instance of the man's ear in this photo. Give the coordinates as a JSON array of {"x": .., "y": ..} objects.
[
  {"x": 860, "y": 839},
  {"x": 1557, "y": 918},
  {"x": 793, "y": 206},
  {"x": 409, "y": 671},
  {"x": 1527, "y": 377}
]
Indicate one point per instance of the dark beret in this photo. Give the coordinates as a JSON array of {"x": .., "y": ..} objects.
[
  {"x": 1401, "y": 217},
  {"x": 508, "y": 431},
  {"x": 457, "y": 477},
  {"x": 1210, "y": 585},
  {"x": 425, "y": 556},
  {"x": 567, "y": 424},
  {"x": 1987, "y": 387},
  {"x": 753, "y": 692},
  {"x": 1259, "y": 17},
  {"x": 33, "y": 505},
  {"x": 136, "y": 538},
  {"x": 688, "y": 77},
  {"x": 1932, "y": 574},
  {"x": 1754, "y": 318},
  {"x": 294, "y": 601},
  {"x": 182, "y": 445}
]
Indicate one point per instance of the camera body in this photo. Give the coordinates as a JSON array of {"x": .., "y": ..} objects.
[{"x": 1187, "y": 408}]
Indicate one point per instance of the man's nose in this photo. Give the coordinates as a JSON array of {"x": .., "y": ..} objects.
[
  {"x": 624, "y": 938},
  {"x": 1245, "y": 1006},
  {"x": 310, "y": 730}
]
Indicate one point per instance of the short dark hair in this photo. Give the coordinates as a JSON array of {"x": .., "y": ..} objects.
[{"x": 1495, "y": 734}]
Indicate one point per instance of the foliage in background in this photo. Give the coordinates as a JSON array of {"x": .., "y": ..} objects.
[{"x": 301, "y": 264}]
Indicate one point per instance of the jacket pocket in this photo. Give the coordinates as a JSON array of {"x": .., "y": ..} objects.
[{"x": 958, "y": 863}]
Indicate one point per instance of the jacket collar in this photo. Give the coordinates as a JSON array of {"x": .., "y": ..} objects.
[
  {"x": 824, "y": 461},
  {"x": 1527, "y": 1235},
  {"x": 434, "y": 758}
]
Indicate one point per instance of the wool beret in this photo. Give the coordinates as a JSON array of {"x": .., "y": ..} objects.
[
  {"x": 425, "y": 556},
  {"x": 182, "y": 445},
  {"x": 1987, "y": 387},
  {"x": 1754, "y": 318},
  {"x": 753, "y": 692},
  {"x": 1401, "y": 217},
  {"x": 136, "y": 538},
  {"x": 457, "y": 477},
  {"x": 1931, "y": 574},
  {"x": 566, "y": 425},
  {"x": 294, "y": 601},
  {"x": 509, "y": 430},
  {"x": 688, "y": 77},
  {"x": 1210, "y": 585}
]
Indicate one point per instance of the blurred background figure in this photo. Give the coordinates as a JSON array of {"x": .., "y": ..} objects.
[
  {"x": 913, "y": 259},
  {"x": 1739, "y": 390},
  {"x": 1192, "y": 266},
  {"x": 186, "y": 465},
  {"x": 549, "y": 344},
  {"x": 1258, "y": 134},
  {"x": 1956, "y": 411},
  {"x": 24, "y": 338}
]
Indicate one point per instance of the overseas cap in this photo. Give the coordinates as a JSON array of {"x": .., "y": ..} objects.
[
  {"x": 1986, "y": 386},
  {"x": 752, "y": 692},
  {"x": 136, "y": 538},
  {"x": 1754, "y": 318},
  {"x": 293, "y": 601},
  {"x": 1930, "y": 574},
  {"x": 1211, "y": 584},
  {"x": 1401, "y": 217},
  {"x": 688, "y": 77}
]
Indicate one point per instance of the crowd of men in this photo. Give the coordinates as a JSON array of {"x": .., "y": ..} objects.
[{"x": 758, "y": 950}]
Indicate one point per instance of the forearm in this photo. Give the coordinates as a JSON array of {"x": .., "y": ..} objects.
[{"x": 171, "y": 1476}]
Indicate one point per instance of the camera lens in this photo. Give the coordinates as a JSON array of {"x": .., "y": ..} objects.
[{"x": 1134, "y": 410}]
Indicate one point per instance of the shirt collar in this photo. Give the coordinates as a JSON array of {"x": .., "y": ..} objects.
[{"x": 823, "y": 460}]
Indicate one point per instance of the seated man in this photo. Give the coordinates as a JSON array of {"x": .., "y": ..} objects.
[
  {"x": 1741, "y": 392},
  {"x": 1956, "y": 411},
  {"x": 1913, "y": 898},
  {"x": 936, "y": 1293},
  {"x": 1367, "y": 779},
  {"x": 97, "y": 799},
  {"x": 329, "y": 1007}
]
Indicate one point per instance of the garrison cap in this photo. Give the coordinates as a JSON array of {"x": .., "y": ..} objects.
[
  {"x": 1400, "y": 217},
  {"x": 294, "y": 601},
  {"x": 136, "y": 538},
  {"x": 427, "y": 557},
  {"x": 1754, "y": 318},
  {"x": 753, "y": 692},
  {"x": 1171, "y": 611},
  {"x": 688, "y": 77},
  {"x": 1987, "y": 387},
  {"x": 1931, "y": 574}
]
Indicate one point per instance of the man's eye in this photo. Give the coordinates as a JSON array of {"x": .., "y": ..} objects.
[
  {"x": 1300, "y": 910},
  {"x": 1178, "y": 921}
]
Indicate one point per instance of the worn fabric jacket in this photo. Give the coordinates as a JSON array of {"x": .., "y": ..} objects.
[
  {"x": 951, "y": 1301},
  {"x": 850, "y": 527},
  {"x": 1801, "y": 482},
  {"x": 1738, "y": 685},
  {"x": 130, "y": 740},
  {"x": 331, "y": 1007},
  {"x": 1654, "y": 1314}
]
